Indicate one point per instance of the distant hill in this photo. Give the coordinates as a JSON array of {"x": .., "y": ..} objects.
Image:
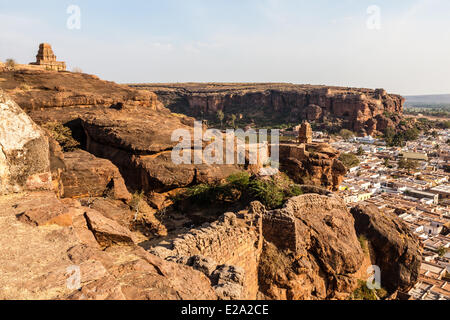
[{"x": 437, "y": 99}]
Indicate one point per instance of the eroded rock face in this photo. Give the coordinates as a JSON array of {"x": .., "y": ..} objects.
[
  {"x": 361, "y": 110},
  {"x": 397, "y": 251},
  {"x": 84, "y": 175},
  {"x": 312, "y": 163},
  {"x": 69, "y": 90},
  {"x": 50, "y": 257},
  {"x": 139, "y": 142},
  {"x": 24, "y": 150},
  {"x": 311, "y": 249}
]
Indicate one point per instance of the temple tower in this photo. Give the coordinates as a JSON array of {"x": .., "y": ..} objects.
[
  {"x": 47, "y": 59},
  {"x": 305, "y": 133}
]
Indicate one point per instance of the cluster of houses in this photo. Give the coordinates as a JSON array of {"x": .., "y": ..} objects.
[{"x": 420, "y": 197}]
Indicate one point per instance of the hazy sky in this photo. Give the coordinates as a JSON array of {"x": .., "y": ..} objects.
[{"x": 318, "y": 42}]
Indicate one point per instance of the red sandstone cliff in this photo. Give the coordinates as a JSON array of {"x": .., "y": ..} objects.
[{"x": 361, "y": 110}]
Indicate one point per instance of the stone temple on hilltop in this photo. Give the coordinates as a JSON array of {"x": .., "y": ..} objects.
[{"x": 47, "y": 59}]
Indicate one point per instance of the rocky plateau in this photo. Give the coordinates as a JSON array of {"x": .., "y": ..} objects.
[{"x": 363, "y": 111}]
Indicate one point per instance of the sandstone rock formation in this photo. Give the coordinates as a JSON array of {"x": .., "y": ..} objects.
[
  {"x": 24, "y": 150},
  {"x": 311, "y": 249},
  {"x": 127, "y": 126},
  {"x": 307, "y": 250},
  {"x": 85, "y": 175},
  {"x": 313, "y": 163},
  {"x": 397, "y": 251},
  {"x": 361, "y": 110},
  {"x": 47, "y": 59},
  {"x": 139, "y": 143},
  {"x": 66, "y": 262},
  {"x": 45, "y": 91}
]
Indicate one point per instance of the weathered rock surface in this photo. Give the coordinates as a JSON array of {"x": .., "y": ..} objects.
[
  {"x": 228, "y": 282},
  {"x": 312, "y": 163},
  {"x": 227, "y": 251},
  {"x": 397, "y": 250},
  {"x": 107, "y": 231},
  {"x": 361, "y": 110},
  {"x": 24, "y": 150},
  {"x": 55, "y": 262},
  {"x": 85, "y": 175},
  {"x": 46, "y": 209},
  {"x": 311, "y": 249},
  {"x": 49, "y": 90},
  {"x": 139, "y": 142}
]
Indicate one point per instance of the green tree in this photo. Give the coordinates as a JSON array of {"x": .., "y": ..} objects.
[
  {"x": 233, "y": 120},
  {"x": 62, "y": 134},
  {"x": 386, "y": 162},
  {"x": 346, "y": 134},
  {"x": 349, "y": 160},
  {"x": 442, "y": 251},
  {"x": 389, "y": 136},
  {"x": 402, "y": 163},
  {"x": 360, "y": 151},
  {"x": 220, "y": 116},
  {"x": 409, "y": 164}
]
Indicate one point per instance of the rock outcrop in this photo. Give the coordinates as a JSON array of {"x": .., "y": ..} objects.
[
  {"x": 313, "y": 163},
  {"x": 139, "y": 142},
  {"x": 43, "y": 91},
  {"x": 364, "y": 111},
  {"x": 311, "y": 250},
  {"x": 397, "y": 251},
  {"x": 66, "y": 261},
  {"x": 85, "y": 175},
  {"x": 24, "y": 150},
  {"x": 129, "y": 127}
]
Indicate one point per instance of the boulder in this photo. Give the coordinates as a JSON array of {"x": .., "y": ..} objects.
[
  {"x": 44, "y": 208},
  {"x": 228, "y": 282},
  {"x": 396, "y": 250},
  {"x": 313, "y": 112},
  {"x": 107, "y": 231},
  {"x": 24, "y": 150},
  {"x": 203, "y": 264},
  {"x": 88, "y": 176},
  {"x": 53, "y": 262}
]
